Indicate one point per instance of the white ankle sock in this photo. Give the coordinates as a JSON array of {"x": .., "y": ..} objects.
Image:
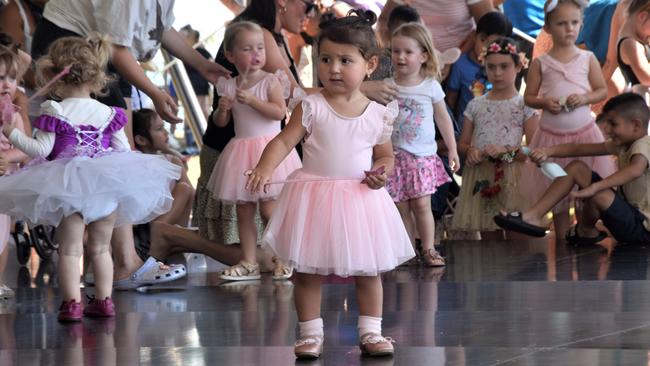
[
  {"x": 369, "y": 324},
  {"x": 311, "y": 327}
]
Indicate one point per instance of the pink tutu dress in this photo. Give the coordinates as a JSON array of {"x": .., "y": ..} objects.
[
  {"x": 5, "y": 220},
  {"x": 577, "y": 126},
  {"x": 252, "y": 132},
  {"x": 339, "y": 226}
]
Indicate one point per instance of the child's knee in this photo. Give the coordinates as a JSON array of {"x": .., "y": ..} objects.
[
  {"x": 578, "y": 168},
  {"x": 603, "y": 199}
]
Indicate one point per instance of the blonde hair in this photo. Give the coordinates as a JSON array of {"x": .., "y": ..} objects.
[
  {"x": 432, "y": 66},
  {"x": 638, "y": 6},
  {"x": 580, "y": 4},
  {"x": 9, "y": 59},
  {"x": 87, "y": 59},
  {"x": 234, "y": 29}
]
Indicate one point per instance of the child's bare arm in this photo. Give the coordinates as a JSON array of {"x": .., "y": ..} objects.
[
  {"x": 221, "y": 116},
  {"x": 531, "y": 95},
  {"x": 637, "y": 167},
  {"x": 634, "y": 53},
  {"x": 447, "y": 131},
  {"x": 274, "y": 109},
  {"x": 598, "y": 87},
  {"x": 176, "y": 160},
  {"x": 276, "y": 151},
  {"x": 571, "y": 150},
  {"x": 452, "y": 99},
  {"x": 382, "y": 155}
]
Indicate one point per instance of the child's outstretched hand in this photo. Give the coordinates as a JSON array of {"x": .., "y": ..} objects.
[
  {"x": 257, "y": 179},
  {"x": 375, "y": 179},
  {"x": 574, "y": 101},
  {"x": 538, "y": 156},
  {"x": 474, "y": 156},
  {"x": 244, "y": 96},
  {"x": 553, "y": 105}
]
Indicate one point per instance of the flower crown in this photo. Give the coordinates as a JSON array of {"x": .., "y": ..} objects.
[{"x": 509, "y": 49}]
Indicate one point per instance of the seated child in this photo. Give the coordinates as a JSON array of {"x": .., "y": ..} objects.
[
  {"x": 626, "y": 212},
  {"x": 467, "y": 78},
  {"x": 151, "y": 137}
]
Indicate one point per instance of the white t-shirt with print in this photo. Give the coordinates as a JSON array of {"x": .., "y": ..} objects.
[
  {"x": 138, "y": 25},
  {"x": 414, "y": 130}
]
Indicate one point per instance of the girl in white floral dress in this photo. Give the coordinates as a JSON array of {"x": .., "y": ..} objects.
[{"x": 492, "y": 133}]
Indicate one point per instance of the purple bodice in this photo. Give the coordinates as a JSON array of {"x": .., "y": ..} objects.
[{"x": 82, "y": 140}]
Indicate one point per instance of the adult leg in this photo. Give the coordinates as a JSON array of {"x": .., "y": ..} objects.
[
  {"x": 126, "y": 260},
  {"x": 179, "y": 213},
  {"x": 247, "y": 230},
  {"x": 168, "y": 239},
  {"x": 99, "y": 241},
  {"x": 70, "y": 234}
]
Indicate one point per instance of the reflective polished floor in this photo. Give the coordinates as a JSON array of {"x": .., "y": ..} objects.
[{"x": 497, "y": 303}]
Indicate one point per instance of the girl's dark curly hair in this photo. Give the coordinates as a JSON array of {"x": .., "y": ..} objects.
[{"x": 354, "y": 29}]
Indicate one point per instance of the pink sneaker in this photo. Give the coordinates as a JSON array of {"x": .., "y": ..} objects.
[
  {"x": 99, "y": 308},
  {"x": 70, "y": 311}
]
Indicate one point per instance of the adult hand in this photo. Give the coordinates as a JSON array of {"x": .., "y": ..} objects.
[
  {"x": 212, "y": 71},
  {"x": 166, "y": 107},
  {"x": 379, "y": 91}
]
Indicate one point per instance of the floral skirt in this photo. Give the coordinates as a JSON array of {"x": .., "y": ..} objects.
[
  {"x": 480, "y": 199},
  {"x": 415, "y": 176}
]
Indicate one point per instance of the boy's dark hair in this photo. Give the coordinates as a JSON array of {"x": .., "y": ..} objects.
[
  {"x": 354, "y": 29},
  {"x": 494, "y": 22},
  {"x": 142, "y": 120},
  {"x": 629, "y": 106},
  {"x": 402, "y": 14}
]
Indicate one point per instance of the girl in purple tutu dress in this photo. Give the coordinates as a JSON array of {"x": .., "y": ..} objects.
[
  {"x": 331, "y": 218},
  {"x": 256, "y": 101},
  {"x": 84, "y": 177},
  {"x": 564, "y": 83},
  {"x": 419, "y": 171}
]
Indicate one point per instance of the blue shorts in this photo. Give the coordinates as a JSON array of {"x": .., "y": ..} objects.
[{"x": 623, "y": 220}]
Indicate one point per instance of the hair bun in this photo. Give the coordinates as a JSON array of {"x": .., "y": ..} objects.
[{"x": 356, "y": 18}]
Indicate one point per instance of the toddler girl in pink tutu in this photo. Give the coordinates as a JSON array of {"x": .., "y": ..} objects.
[
  {"x": 331, "y": 218},
  {"x": 564, "y": 83},
  {"x": 256, "y": 100}
]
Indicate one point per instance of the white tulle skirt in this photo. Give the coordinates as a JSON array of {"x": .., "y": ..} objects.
[{"x": 136, "y": 186}]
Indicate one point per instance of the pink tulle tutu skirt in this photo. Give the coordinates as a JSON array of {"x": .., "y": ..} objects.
[
  {"x": 337, "y": 227},
  {"x": 228, "y": 182},
  {"x": 415, "y": 176},
  {"x": 535, "y": 182}
]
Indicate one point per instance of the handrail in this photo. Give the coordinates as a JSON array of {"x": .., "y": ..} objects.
[{"x": 194, "y": 116}]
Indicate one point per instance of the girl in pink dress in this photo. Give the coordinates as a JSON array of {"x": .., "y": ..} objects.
[
  {"x": 564, "y": 83},
  {"x": 9, "y": 156},
  {"x": 256, "y": 101},
  {"x": 331, "y": 218}
]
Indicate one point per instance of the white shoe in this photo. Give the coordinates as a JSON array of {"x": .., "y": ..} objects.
[
  {"x": 6, "y": 292},
  {"x": 152, "y": 272}
]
